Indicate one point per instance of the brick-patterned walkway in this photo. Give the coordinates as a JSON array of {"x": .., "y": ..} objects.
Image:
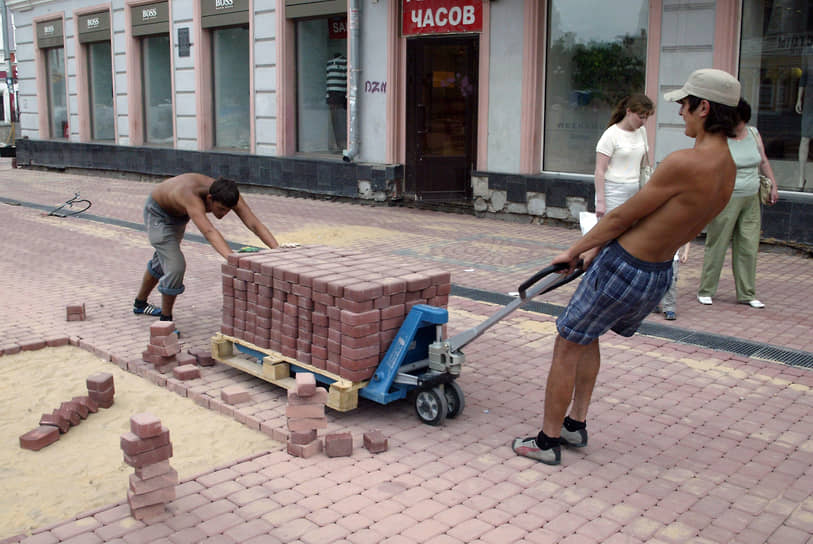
[{"x": 687, "y": 444}]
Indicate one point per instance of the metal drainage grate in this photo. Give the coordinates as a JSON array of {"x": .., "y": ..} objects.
[
  {"x": 786, "y": 356},
  {"x": 718, "y": 342},
  {"x": 723, "y": 343}
]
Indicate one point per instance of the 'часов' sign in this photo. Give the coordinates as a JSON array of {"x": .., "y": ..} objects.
[{"x": 441, "y": 16}]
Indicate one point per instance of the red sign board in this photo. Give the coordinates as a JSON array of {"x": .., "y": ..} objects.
[
  {"x": 441, "y": 16},
  {"x": 337, "y": 28}
]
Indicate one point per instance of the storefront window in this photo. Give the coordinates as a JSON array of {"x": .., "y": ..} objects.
[
  {"x": 155, "y": 56},
  {"x": 55, "y": 84},
  {"x": 231, "y": 87},
  {"x": 100, "y": 69},
  {"x": 321, "y": 77},
  {"x": 596, "y": 54},
  {"x": 776, "y": 71}
]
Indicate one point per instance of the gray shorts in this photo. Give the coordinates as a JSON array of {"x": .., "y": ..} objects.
[{"x": 165, "y": 232}]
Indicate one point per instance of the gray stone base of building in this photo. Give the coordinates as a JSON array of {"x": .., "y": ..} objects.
[
  {"x": 309, "y": 175},
  {"x": 535, "y": 198},
  {"x": 548, "y": 196}
]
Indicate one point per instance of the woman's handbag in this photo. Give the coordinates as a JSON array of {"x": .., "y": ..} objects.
[
  {"x": 765, "y": 187},
  {"x": 765, "y": 184},
  {"x": 646, "y": 169}
]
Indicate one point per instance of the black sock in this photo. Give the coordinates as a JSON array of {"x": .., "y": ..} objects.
[
  {"x": 139, "y": 303},
  {"x": 573, "y": 425},
  {"x": 545, "y": 442},
  {"x": 166, "y": 317}
]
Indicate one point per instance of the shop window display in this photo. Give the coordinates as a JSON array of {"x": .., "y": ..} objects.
[
  {"x": 157, "y": 82},
  {"x": 591, "y": 63},
  {"x": 232, "y": 117},
  {"x": 101, "y": 91},
  {"x": 55, "y": 85},
  {"x": 776, "y": 71},
  {"x": 321, "y": 85}
]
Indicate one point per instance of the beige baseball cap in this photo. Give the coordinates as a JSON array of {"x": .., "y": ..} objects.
[{"x": 709, "y": 83}]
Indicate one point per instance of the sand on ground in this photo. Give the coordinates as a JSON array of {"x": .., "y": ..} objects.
[{"x": 84, "y": 469}]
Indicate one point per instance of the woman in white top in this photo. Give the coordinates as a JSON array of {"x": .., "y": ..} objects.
[{"x": 619, "y": 153}]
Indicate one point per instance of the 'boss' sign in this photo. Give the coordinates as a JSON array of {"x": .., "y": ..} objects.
[{"x": 441, "y": 16}]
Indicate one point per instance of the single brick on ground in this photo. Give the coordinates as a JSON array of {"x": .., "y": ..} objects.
[
  {"x": 339, "y": 445},
  {"x": 186, "y": 372},
  {"x": 375, "y": 441},
  {"x": 40, "y": 437},
  {"x": 234, "y": 394},
  {"x": 76, "y": 312}
]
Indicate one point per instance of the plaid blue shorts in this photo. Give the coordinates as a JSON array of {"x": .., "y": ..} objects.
[{"x": 616, "y": 293}]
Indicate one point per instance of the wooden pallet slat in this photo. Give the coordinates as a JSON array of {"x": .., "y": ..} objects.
[{"x": 276, "y": 368}]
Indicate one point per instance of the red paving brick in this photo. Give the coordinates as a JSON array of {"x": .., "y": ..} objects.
[{"x": 686, "y": 442}]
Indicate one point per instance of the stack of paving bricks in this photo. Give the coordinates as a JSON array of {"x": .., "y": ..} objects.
[
  {"x": 147, "y": 449},
  {"x": 164, "y": 350},
  {"x": 101, "y": 389},
  {"x": 71, "y": 413},
  {"x": 306, "y": 414},
  {"x": 336, "y": 310},
  {"x": 76, "y": 312}
]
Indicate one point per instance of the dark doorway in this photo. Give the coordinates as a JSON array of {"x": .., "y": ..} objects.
[{"x": 441, "y": 115}]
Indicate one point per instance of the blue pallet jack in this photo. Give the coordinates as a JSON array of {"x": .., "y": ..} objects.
[{"x": 419, "y": 360}]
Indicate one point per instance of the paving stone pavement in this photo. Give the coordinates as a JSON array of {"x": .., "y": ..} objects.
[{"x": 687, "y": 444}]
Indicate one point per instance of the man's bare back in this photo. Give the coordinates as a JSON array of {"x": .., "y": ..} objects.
[
  {"x": 702, "y": 180},
  {"x": 175, "y": 195},
  {"x": 688, "y": 189}
]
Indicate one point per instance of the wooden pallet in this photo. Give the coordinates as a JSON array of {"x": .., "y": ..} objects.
[{"x": 276, "y": 368}]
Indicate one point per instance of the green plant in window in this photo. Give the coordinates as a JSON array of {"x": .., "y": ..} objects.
[{"x": 610, "y": 70}]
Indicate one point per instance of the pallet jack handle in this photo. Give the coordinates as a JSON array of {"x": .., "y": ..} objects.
[
  {"x": 550, "y": 285},
  {"x": 528, "y": 290}
]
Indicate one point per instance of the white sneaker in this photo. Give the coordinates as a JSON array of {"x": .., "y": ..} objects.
[
  {"x": 705, "y": 300},
  {"x": 755, "y": 304}
]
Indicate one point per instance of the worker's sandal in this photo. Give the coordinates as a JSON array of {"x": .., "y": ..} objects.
[{"x": 526, "y": 447}]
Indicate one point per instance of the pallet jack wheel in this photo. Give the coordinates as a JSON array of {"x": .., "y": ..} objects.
[
  {"x": 454, "y": 399},
  {"x": 431, "y": 405}
]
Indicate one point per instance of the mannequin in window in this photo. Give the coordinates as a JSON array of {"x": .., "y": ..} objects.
[
  {"x": 804, "y": 107},
  {"x": 336, "y": 97}
]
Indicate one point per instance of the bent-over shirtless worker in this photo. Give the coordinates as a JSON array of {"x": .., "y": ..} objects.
[
  {"x": 631, "y": 250},
  {"x": 170, "y": 206}
]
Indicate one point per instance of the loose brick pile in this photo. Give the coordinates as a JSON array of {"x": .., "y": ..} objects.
[
  {"x": 76, "y": 312},
  {"x": 306, "y": 414},
  {"x": 70, "y": 413},
  {"x": 164, "y": 350},
  {"x": 335, "y": 309},
  {"x": 147, "y": 449},
  {"x": 203, "y": 356},
  {"x": 101, "y": 389}
]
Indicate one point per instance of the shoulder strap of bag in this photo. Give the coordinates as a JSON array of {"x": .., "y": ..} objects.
[{"x": 646, "y": 146}]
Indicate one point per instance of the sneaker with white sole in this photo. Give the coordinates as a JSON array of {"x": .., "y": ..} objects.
[
  {"x": 754, "y": 303},
  {"x": 704, "y": 300},
  {"x": 574, "y": 439},
  {"x": 526, "y": 447},
  {"x": 147, "y": 309}
]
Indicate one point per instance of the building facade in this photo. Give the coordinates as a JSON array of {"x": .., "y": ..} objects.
[{"x": 491, "y": 104}]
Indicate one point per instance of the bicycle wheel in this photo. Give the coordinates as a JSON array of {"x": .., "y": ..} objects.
[{"x": 76, "y": 207}]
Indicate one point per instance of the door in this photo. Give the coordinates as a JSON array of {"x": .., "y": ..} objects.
[{"x": 440, "y": 119}]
